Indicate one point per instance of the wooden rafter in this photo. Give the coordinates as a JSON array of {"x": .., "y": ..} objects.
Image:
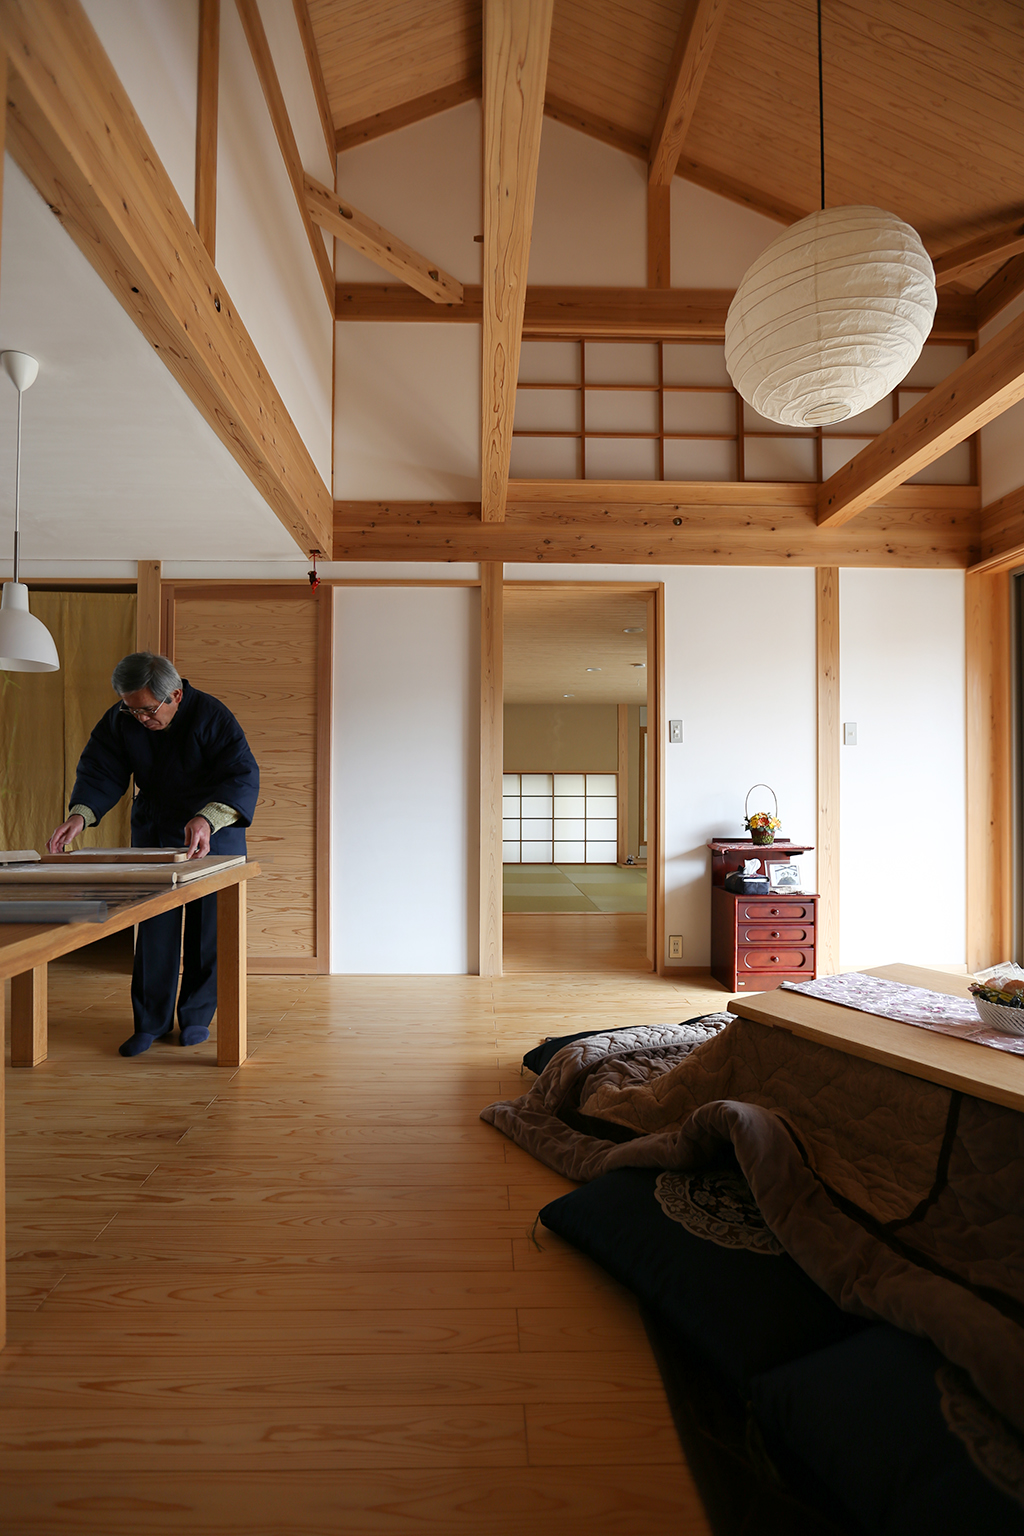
[
  {"x": 1001, "y": 289},
  {"x": 1001, "y": 544},
  {"x": 206, "y": 124},
  {"x": 680, "y": 523},
  {"x": 677, "y": 314},
  {"x": 517, "y": 35},
  {"x": 979, "y": 390},
  {"x": 690, "y": 59},
  {"x": 252, "y": 25},
  {"x": 358, "y": 230},
  {"x": 316, "y": 74},
  {"x": 73, "y": 131},
  {"x": 975, "y": 253},
  {"x": 415, "y": 111}
]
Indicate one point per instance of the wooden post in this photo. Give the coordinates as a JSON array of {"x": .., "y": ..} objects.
[
  {"x": 622, "y": 759},
  {"x": 827, "y": 830},
  {"x": 989, "y": 770},
  {"x": 28, "y": 1018},
  {"x": 147, "y": 613},
  {"x": 491, "y": 764},
  {"x": 231, "y": 975},
  {"x": 206, "y": 124},
  {"x": 659, "y": 236}
]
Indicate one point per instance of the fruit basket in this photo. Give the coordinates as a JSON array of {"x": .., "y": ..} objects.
[{"x": 1000, "y": 1004}]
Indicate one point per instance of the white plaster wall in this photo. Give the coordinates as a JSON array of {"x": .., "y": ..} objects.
[
  {"x": 903, "y": 821},
  {"x": 262, "y": 251},
  {"x": 154, "y": 47},
  {"x": 405, "y": 800},
  {"x": 590, "y": 217},
  {"x": 714, "y": 240},
  {"x": 1002, "y": 441},
  {"x": 285, "y": 43}
]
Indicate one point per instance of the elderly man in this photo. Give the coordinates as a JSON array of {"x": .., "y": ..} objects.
[{"x": 196, "y": 784}]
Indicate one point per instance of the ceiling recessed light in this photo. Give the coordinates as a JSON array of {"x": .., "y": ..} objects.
[
  {"x": 632, "y": 631},
  {"x": 638, "y": 663},
  {"x": 568, "y": 695},
  {"x": 593, "y": 669}
]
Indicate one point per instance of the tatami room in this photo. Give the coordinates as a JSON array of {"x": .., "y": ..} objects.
[{"x": 384, "y": 386}]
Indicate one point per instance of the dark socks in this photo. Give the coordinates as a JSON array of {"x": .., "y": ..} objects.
[
  {"x": 137, "y": 1043},
  {"x": 194, "y": 1034}
]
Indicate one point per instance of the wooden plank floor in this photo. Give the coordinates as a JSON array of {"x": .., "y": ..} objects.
[{"x": 302, "y": 1297}]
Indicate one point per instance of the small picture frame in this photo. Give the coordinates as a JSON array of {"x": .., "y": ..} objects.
[{"x": 785, "y": 878}]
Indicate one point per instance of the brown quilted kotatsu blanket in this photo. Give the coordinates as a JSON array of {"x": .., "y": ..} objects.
[{"x": 903, "y": 1200}]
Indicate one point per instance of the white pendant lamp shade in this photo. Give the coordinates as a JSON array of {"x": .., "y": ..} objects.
[
  {"x": 26, "y": 644},
  {"x": 831, "y": 317}
]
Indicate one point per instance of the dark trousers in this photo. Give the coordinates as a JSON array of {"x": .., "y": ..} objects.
[{"x": 155, "y": 975}]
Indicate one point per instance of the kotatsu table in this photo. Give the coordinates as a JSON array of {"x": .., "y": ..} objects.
[
  {"x": 27, "y": 948},
  {"x": 987, "y": 1074}
]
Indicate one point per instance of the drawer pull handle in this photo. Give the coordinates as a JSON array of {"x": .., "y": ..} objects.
[
  {"x": 775, "y": 911},
  {"x": 775, "y": 935},
  {"x": 774, "y": 959}
]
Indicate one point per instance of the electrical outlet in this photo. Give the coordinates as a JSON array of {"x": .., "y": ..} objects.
[
  {"x": 675, "y": 946},
  {"x": 675, "y": 730}
]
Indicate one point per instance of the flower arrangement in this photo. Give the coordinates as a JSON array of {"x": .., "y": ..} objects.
[
  {"x": 760, "y": 825},
  {"x": 1002, "y": 989},
  {"x": 761, "y": 821}
]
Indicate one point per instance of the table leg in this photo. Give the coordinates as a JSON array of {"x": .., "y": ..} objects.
[
  {"x": 28, "y": 1018},
  {"x": 231, "y": 975}
]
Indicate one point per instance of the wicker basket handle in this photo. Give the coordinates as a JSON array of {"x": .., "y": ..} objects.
[{"x": 750, "y": 791}]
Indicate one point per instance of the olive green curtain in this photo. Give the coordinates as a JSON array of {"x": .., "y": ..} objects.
[{"x": 46, "y": 717}]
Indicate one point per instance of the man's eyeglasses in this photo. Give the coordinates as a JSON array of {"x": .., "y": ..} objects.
[{"x": 146, "y": 712}]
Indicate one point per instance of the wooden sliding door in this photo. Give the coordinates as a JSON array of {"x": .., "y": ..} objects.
[{"x": 266, "y": 652}]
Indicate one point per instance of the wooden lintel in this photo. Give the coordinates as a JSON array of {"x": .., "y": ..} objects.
[
  {"x": 666, "y": 314},
  {"x": 1001, "y": 545},
  {"x": 691, "y": 56},
  {"x": 517, "y": 36},
  {"x": 252, "y": 25},
  {"x": 1004, "y": 243},
  {"x": 407, "y": 112},
  {"x": 316, "y": 74},
  {"x": 680, "y": 523},
  {"x": 979, "y": 390},
  {"x": 384, "y": 249},
  {"x": 206, "y": 124},
  {"x": 75, "y": 135},
  {"x": 1001, "y": 289}
]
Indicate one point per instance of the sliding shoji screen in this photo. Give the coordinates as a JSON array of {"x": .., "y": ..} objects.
[{"x": 560, "y": 818}]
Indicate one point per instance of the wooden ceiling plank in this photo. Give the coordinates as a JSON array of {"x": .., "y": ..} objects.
[
  {"x": 974, "y": 253},
  {"x": 408, "y": 112},
  {"x": 1001, "y": 289},
  {"x": 76, "y": 136},
  {"x": 316, "y": 74},
  {"x": 252, "y": 25},
  {"x": 517, "y": 36},
  {"x": 384, "y": 249},
  {"x": 206, "y": 124},
  {"x": 698, "y": 34},
  {"x": 975, "y": 393},
  {"x": 674, "y": 314}
]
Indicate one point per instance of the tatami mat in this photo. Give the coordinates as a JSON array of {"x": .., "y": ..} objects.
[{"x": 574, "y": 888}]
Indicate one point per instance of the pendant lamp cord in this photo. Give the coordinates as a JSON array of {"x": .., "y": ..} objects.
[
  {"x": 821, "y": 111},
  {"x": 17, "y": 493}
]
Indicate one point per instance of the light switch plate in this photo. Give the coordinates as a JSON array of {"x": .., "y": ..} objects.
[
  {"x": 849, "y": 733},
  {"x": 675, "y": 730}
]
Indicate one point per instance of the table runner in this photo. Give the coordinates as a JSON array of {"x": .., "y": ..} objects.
[{"x": 924, "y": 1009}]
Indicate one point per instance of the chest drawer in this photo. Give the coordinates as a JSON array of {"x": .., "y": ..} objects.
[
  {"x": 765, "y": 910},
  {"x": 762, "y": 934},
  {"x": 781, "y": 958}
]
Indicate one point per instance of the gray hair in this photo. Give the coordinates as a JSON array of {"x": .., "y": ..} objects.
[{"x": 144, "y": 669}]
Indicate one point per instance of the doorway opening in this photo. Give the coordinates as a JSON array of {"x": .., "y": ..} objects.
[{"x": 581, "y": 871}]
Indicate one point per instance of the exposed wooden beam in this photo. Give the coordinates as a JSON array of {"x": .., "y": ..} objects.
[
  {"x": 979, "y": 390},
  {"x": 206, "y": 124},
  {"x": 1001, "y": 545},
  {"x": 316, "y": 75},
  {"x": 74, "y": 133},
  {"x": 659, "y": 237},
  {"x": 990, "y": 935},
  {"x": 147, "y": 605},
  {"x": 3, "y": 1005},
  {"x": 975, "y": 253},
  {"x": 252, "y": 25},
  {"x": 386, "y": 250},
  {"x": 676, "y": 314},
  {"x": 691, "y": 56},
  {"x": 680, "y": 523},
  {"x": 381, "y": 123},
  {"x": 1001, "y": 289},
  {"x": 826, "y": 585},
  {"x": 517, "y": 35},
  {"x": 491, "y": 765}
]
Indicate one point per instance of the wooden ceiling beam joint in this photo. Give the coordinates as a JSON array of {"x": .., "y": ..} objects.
[
  {"x": 381, "y": 247},
  {"x": 698, "y": 34},
  {"x": 952, "y": 265}
]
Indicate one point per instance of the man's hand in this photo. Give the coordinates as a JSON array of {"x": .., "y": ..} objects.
[
  {"x": 66, "y": 833},
  {"x": 198, "y": 833}
]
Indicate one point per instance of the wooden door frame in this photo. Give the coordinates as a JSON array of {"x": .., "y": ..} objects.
[
  {"x": 490, "y": 805},
  {"x": 320, "y": 962}
]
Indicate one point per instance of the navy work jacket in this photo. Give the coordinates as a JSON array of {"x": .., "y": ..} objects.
[{"x": 201, "y": 756}]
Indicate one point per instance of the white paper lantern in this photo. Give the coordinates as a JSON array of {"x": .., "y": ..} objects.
[{"x": 830, "y": 317}]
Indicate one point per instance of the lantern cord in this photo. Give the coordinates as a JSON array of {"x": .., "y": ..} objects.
[{"x": 821, "y": 111}]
